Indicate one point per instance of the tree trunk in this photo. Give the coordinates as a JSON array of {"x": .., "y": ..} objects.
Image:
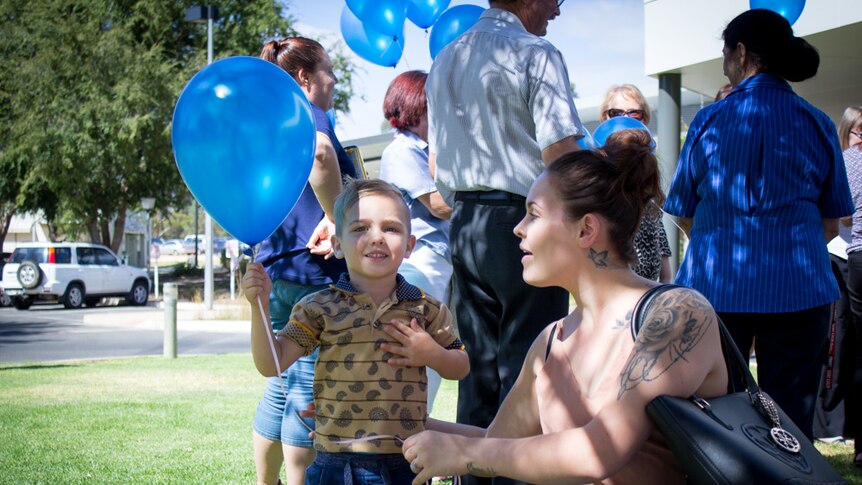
[
  {"x": 6, "y": 215},
  {"x": 119, "y": 229},
  {"x": 93, "y": 229},
  {"x": 104, "y": 232}
]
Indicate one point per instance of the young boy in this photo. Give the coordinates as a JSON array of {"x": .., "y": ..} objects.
[{"x": 376, "y": 334}]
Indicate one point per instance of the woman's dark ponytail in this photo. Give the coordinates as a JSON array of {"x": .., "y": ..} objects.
[{"x": 768, "y": 38}]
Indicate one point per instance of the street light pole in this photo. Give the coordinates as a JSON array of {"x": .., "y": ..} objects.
[
  {"x": 148, "y": 203},
  {"x": 199, "y": 14},
  {"x": 208, "y": 221}
]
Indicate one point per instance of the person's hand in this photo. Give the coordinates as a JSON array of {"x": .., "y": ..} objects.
[
  {"x": 310, "y": 411},
  {"x": 433, "y": 454},
  {"x": 256, "y": 283},
  {"x": 320, "y": 241},
  {"x": 415, "y": 346}
]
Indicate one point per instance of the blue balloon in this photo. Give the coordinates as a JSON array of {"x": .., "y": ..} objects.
[
  {"x": 384, "y": 16},
  {"x": 243, "y": 137},
  {"x": 587, "y": 142},
  {"x": 356, "y": 6},
  {"x": 789, "y": 9},
  {"x": 451, "y": 24},
  {"x": 367, "y": 43},
  {"x": 613, "y": 125},
  {"x": 423, "y": 13}
]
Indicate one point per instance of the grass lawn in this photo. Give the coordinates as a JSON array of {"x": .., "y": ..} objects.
[{"x": 152, "y": 420}]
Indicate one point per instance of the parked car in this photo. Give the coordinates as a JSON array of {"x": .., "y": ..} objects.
[
  {"x": 172, "y": 247},
  {"x": 157, "y": 240},
  {"x": 189, "y": 243},
  {"x": 73, "y": 274},
  {"x": 219, "y": 244}
]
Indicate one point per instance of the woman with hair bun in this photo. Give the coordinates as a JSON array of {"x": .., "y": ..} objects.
[
  {"x": 577, "y": 412},
  {"x": 760, "y": 186},
  {"x": 296, "y": 257}
]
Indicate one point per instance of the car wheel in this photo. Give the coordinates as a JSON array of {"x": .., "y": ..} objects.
[
  {"x": 140, "y": 293},
  {"x": 74, "y": 297},
  {"x": 21, "y": 302},
  {"x": 5, "y": 300},
  {"x": 29, "y": 274},
  {"x": 92, "y": 301}
]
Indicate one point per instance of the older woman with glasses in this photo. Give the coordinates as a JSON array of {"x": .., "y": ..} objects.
[
  {"x": 760, "y": 185},
  {"x": 651, "y": 246}
]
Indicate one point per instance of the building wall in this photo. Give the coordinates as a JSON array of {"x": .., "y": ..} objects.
[
  {"x": 684, "y": 36},
  {"x": 681, "y": 33}
]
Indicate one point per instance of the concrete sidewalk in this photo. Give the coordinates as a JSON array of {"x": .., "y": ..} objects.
[{"x": 223, "y": 318}]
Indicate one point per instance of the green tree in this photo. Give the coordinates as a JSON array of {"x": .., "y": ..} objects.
[{"x": 87, "y": 90}]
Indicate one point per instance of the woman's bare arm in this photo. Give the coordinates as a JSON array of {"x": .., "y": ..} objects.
[{"x": 676, "y": 353}]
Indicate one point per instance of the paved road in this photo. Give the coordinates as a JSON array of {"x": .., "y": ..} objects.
[{"x": 51, "y": 333}]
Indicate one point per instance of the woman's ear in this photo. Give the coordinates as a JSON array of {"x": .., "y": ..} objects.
[
  {"x": 302, "y": 79},
  {"x": 741, "y": 54},
  {"x": 589, "y": 227}
]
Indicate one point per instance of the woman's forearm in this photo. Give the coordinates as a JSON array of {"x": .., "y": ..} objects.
[
  {"x": 325, "y": 177},
  {"x": 466, "y": 430}
]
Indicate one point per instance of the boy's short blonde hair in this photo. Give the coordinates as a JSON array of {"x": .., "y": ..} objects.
[{"x": 357, "y": 188}]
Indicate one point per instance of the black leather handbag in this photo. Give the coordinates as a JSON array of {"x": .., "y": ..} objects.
[{"x": 740, "y": 438}]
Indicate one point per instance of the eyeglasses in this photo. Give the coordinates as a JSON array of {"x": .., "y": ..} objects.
[
  {"x": 857, "y": 134},
  {"x": 560, "y": 3},
  {"x": 637, "y": 114}
]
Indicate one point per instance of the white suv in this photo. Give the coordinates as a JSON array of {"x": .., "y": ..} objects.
[{"x": 72, "y": 274}]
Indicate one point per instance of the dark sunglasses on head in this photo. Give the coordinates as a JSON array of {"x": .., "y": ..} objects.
[
  {"x": 560, "y": 3},
  {"x": 637, "y": 114}
]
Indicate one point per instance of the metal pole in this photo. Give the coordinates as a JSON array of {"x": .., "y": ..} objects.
[
  {"x": 156, "y": 277},
  {"x": 196, "y": 233},
  {"x": 208, "y": 221},
  {"x": 170, "y": 337},
  {"x": 669, "y": 86}
]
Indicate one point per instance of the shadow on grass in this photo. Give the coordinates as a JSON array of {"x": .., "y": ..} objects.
[{"x": 37, "y": 366}]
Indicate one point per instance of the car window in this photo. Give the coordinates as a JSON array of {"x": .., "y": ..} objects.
[
  {"x": 63, "y": 255},
  {"x": 37, "y": 255},
  {"x": 86, "y": 256},
  {"x": 106, "y": 258}
]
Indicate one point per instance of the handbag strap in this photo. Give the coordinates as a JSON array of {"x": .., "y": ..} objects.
[{"x": 738, "y": 374}]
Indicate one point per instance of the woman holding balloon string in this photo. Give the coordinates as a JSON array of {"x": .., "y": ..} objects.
[
  {"x": 296, "y": 257},
  {"x": 651, "y": 245}
]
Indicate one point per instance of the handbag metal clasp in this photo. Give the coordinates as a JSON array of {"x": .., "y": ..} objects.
[{"x": 703, "y": 404}]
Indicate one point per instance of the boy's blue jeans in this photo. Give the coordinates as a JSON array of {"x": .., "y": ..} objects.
[{"x": 359, "y": 469}]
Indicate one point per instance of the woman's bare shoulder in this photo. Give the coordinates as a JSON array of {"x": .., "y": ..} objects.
[{"x": 671, "y": 338}]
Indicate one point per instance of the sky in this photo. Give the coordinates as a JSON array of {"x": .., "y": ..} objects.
[{"x": 601, "y": 41}]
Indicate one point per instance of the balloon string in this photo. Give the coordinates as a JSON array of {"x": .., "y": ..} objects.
[
  {"x": 267, "y": 329},
  {"x": 401, "y": 46}
]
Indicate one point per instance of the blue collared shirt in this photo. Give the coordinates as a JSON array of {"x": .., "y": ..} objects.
[
  {"x": 758, "y": 172},
  {"x": 404, "y": 164}
]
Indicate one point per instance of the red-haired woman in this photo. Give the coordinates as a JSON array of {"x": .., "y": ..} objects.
[{"x": 404, "y": 164}]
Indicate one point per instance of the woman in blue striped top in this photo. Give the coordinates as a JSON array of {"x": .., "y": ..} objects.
[{"x": 759, "y": 187}]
